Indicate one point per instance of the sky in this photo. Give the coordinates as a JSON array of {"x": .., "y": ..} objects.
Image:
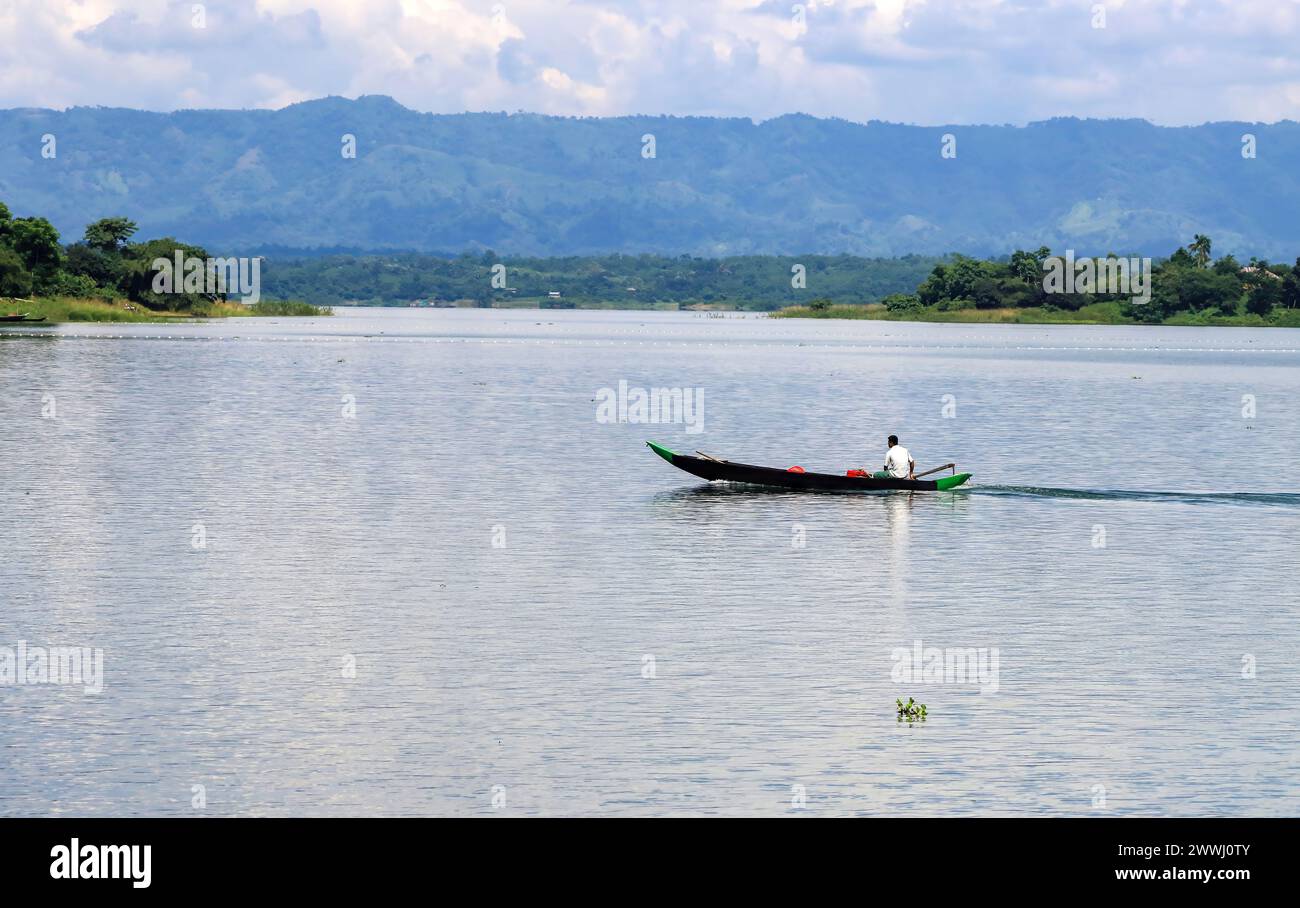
[{"x": 930, "y": 62}]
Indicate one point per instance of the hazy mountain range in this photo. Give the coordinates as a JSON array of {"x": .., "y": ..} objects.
[{"x": 259, "y": 180}]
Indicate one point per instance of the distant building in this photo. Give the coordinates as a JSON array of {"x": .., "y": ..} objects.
[
  {"x": 553, "y": 301},
  {"x": 1252, "y": 269}
]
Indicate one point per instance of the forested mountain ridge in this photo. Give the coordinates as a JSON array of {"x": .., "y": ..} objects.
[{"x": 240, "y": 181}]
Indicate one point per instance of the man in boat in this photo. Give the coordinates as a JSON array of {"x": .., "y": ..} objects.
[{"x": 898, "y": 462}]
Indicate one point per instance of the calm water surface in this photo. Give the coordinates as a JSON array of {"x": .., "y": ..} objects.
[{"x": 542, "y": 612}]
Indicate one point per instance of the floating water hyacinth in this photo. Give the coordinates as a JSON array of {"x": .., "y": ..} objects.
[{"x": 911, "y": 710}]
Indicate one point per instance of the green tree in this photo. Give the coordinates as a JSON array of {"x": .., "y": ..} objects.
[
  {"x": 1227, "y": 265},
  {"x": 1264, "y": 296},
  {"x": 1014, "y": 293},
  {"x": 1200, "y": 290},
  {"x": 964, "y": 275},
  {"x": 15, "y": 279},
  {"x": 1200, "y": 249},
  {"x": 1026, "y": 267},
  {"x": 900, "y": 302},
  {"x": 109, "y": 234},
  {"x": 1291, "y": 288},
  {"x": 935, "y": 287},
  {"x": 138, "y": 283},
  {"x": 104, "y": 269},
  {"x": 986, "y": 291},
  {"x": 952, "y": 285},
  {"x": 37, "y": 243},
  {"x": 1263, "y": 288},
  {"x": 79, "y": 286}
]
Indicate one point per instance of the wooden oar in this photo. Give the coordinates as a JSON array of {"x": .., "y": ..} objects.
[
  {"x": 710, "y": 457},
  {"x": 946, "y": 466}
]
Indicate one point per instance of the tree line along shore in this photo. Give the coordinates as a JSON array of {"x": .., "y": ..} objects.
[
  {"x": 106, "y": 277},
  {"x": 1190, "y": 287}
]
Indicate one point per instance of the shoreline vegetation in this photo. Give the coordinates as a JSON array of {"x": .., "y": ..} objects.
[
  {"x": 758, "y": 283},
  {"x": 106, "y": 277},
  {"x": 57, "y": 309},
  {"x": 1189, "y": 288}
]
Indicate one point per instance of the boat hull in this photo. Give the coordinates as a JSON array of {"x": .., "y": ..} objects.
[{"x": 750, "y": 474}]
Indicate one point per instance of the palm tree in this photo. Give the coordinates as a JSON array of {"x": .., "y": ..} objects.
[{"x": 1200, "y": 249}]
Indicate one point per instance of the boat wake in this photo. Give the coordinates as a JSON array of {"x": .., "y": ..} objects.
[
  {"x": 1267, "y": 499},
  {"x": 736, "y": 490}
]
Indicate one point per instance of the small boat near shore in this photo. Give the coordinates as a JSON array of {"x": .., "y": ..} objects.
[
  {"x": 716, "y": 469},
  {"x": 20, "y": 318}
]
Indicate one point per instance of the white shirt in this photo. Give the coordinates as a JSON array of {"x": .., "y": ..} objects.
[{"x": 898, "y": 461}]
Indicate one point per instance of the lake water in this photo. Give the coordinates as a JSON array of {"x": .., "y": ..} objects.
[{"x": 393, "y": 563}]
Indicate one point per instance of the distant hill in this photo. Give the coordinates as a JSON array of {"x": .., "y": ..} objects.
[{"x": 524, "y": 184}]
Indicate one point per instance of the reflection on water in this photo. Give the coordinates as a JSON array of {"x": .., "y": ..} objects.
[
  {"x": 474, "y": 583},
  {"x": 898, "y": 541}
]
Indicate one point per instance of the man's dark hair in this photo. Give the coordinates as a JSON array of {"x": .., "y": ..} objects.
[{"x": 893, "y": 440}]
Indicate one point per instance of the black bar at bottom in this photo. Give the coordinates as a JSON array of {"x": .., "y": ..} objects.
[{"x": 339, "y": 856}]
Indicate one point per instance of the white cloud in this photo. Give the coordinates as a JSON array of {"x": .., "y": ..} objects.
[{"x": 921, "y": 61}]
